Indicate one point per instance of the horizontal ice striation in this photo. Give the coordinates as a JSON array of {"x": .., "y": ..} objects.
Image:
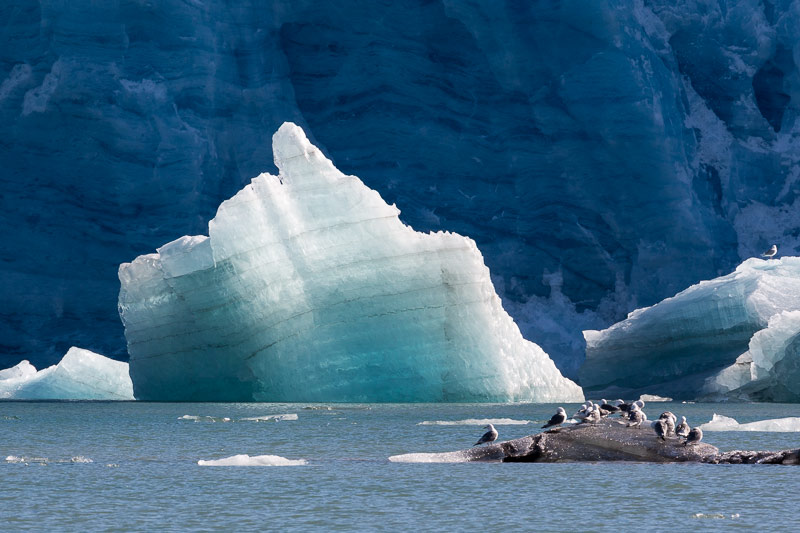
[
  {"x": 81, "y": 375},
  {"x": 682, "y": 346},
  {"x": 309, "y": 288}
]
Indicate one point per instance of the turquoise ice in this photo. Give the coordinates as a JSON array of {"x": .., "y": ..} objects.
[{"x": 310, "y": 288}]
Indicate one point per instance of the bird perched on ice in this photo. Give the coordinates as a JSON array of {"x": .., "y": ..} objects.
[
  {"x": 769, "y": 254},
  {"x": 683, "y": 428},
  {"x": 488, "y": 437},
  {"x": 557, "y": 419},
  {"x": 695, "y": 435}
]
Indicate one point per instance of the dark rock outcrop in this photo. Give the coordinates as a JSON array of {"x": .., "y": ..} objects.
[{"x": 611, "y": 440}]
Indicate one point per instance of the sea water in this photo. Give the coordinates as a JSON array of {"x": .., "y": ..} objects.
[{"x": 88, "y": 466}]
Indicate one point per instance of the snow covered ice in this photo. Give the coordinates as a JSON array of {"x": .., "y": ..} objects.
[
  {"x": 81, "y": 375},
  {"x": 736, "y": 337},
  {"x": 776, "y": 425},
  {"x": 310, "y": 288}
]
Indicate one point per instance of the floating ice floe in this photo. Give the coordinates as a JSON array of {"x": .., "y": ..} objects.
[
  {"x": 256, "y": 460},
  {"x": 475, "y": 422},
  {"x": 310, "y": 288},
  {"x": 651, "y": 398},
  {"x": 263, "y": 418},
  {"x": 445, "y": 457},
  {"x": 80, "y": 375},
  {"x": 736, "y": 336},
  {"x": 775, "y": 425}
]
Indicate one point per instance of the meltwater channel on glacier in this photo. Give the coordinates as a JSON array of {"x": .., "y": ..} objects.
[{"x": 310, "y": 288}]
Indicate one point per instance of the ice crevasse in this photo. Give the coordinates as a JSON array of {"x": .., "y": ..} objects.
[
  {"x": 736, "y": 337},
  {"x": 310, "y": 288}
]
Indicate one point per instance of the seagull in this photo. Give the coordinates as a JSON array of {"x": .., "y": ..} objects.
[
  {"x": 593, "y": 416},
  {"x": 488, "y": 437},
  {"x": 636, "y": 416},
  {"x": 769, "y": 254},
  {"x": 660, "y": 426},
  {"x": 608, "y": 408},
  {"x": 624, "y": 407},
  {"x": 694, "y": 436},
  {"x": 559, "y": 418},
  {"x": 669, "y": 419},
  {"x": 583, "y": 412},
  {"x": 683, "y": 428}
]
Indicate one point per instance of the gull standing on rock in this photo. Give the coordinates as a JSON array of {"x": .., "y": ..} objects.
[
  {"x": 683, "y": 428},
  {"x": 695, "y": 435},
  {"x": 488, "y": 437},
  {"x": 636, "y": 416},
  {"x": 660, "y": 426},
  {"x": 769, "y": 254},
  {"x": 593, "y": 416},
  {"x": 610, "y": 409},
  {"x": 559, "y": 418},
  {"x": 669, "y": 419}
]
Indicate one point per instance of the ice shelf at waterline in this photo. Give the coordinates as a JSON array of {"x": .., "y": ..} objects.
[
  {"x": 733, "y": 337},
  {"x": 80, "y": 375},
  {"x": 310, "y": 288}
]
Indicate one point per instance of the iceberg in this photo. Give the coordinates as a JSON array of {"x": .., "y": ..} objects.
[
  {"x": 769, "y": 370},
  {"x": 310, "y": 288},
  {"x": 776, "y": 425},
  {"x": 80, "y": 375},
  {"x": 735, "y": 334}
]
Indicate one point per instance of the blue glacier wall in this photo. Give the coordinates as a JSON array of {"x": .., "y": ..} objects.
[{"x": 604, "y": 155}]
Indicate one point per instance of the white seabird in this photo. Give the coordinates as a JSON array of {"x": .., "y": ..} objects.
[
  {"x": 670, "y": 420},
  {"x": 695, "y": 435},
  {"x": 488, "y": 437},
  {"x": 636, "y": 416},
  {"x": 660, "y": 426},
  {"x": 593, "y": 416},
  {"x": 769, "y": 254},
  {"x": 683, "y": 428},
  {"x": 608, "y": 408},
  {"x": 557, "y": 419}
]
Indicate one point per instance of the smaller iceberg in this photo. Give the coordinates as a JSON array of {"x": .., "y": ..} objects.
[
  {"x": 736, "y": 336},
  {"x": 256, "y": 460},
  {"x": 80, "y": 375},
  {"x": 776, "y": 425}
]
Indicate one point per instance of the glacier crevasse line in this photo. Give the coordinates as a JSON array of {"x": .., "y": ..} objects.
[{"x": 310, "y": 288}]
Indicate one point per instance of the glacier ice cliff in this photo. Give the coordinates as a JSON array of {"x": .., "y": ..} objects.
[
  {"x": 310, "y": 288},
  {"x": 733, "y": 337},
  {"x": 80, "y": 375},
  {"x": 604, "y": 155}
]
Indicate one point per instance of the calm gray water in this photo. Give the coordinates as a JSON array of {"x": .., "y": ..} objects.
[{"x": 144, "y": 473}]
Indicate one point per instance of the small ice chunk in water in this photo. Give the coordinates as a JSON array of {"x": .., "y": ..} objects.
[{"x": 257, "y": 460}]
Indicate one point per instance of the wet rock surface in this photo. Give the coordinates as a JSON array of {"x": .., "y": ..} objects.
[{"x": 612, "y": 440}]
